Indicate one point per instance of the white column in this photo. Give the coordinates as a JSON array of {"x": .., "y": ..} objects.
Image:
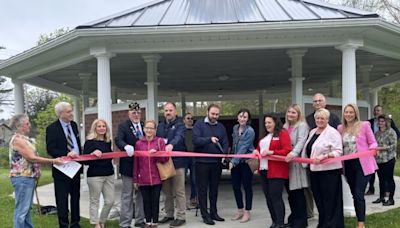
[
  {"x": 297, "y": 75},
  {"x": 365, "y": 74},
  {"x": 373, "y": 98},
  {"x": 104, "y": 87},
  {"x": 273, "y": 103},
  {"x": 19, "y": 99},
  {"x": 77, "y": 111},
  {"x": 114, "y": 94},
  {"x": 152, "y": 85},
  {"x": 85, "y": 78},
  {"x": 349, "y": 80},
  {"x": 349, "y": 95},
  {"x": 183, "y": 104},
  {"x": 260, "y": 113}
]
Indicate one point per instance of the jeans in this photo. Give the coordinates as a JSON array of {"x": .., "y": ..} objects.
[
  {"x": 241, "y": 174},
  {"x": 23, "y": 188}
]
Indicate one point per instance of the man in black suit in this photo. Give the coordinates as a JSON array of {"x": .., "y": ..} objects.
[
  {"x": 378, "y": 110},
  {"x": 62, "y": 139},
  {"x": 131, "y": 200},
  {"x": 319, "y": 102}
]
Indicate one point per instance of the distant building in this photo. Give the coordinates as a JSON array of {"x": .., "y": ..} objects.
[{"x": 5, "y": 134}]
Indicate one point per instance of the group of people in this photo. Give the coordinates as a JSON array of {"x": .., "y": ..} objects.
[{"x": 319, "y": 136}]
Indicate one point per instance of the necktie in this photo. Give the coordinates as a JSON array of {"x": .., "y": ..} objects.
[
  {"x": 70, "y": 144},
  {"x": 138, "y": 132}
]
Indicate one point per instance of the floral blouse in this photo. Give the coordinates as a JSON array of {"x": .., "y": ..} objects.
[
  {"x": 386, "y": 138},
  {"x": 349, "y": 144},
  {"x": 19, "y": 166}
]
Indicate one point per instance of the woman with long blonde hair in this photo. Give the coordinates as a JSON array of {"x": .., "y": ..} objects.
[
  {"x": 298, "y": 176},
  {"x": 100, "y": 175},
  {"x": 357, "y": 136}
]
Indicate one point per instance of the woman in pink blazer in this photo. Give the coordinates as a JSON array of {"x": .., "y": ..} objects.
[{"x": 357, "y": 136}]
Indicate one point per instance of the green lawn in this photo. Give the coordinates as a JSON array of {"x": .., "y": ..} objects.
[
  {"x": 40, "y": 221},
  {"x": 388, "y": 219}
]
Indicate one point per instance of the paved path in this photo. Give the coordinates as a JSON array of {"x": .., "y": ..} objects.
[{"x": 226, "y": 205}]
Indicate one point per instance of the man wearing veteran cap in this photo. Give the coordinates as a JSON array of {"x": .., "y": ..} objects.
[{"x": 131, "y": 200}]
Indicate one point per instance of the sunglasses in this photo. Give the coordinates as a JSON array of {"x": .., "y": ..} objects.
[{"x": 189, "y": 118}]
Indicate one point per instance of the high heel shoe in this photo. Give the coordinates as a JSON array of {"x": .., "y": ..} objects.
[
  {"x": 238, "y": 215},
  {"x": 245, "y": 217}
]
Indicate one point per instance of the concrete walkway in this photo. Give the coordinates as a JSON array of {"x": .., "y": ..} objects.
[{"x": 226, "y": 205}]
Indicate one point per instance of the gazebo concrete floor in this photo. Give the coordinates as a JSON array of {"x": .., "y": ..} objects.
[{"x": 226, "y": 204}]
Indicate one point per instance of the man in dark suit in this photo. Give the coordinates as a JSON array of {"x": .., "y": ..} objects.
[
  {"x": 62, "y": 139},
  {"x": 319, "y": 102},
  {"x": 378, "y": 110},
  {"x": 131, "y": 200}
]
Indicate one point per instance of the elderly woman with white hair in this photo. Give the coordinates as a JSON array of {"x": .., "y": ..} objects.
[
  {"x": 325, "y": 142},
  {"x": 24, "y": 169}
]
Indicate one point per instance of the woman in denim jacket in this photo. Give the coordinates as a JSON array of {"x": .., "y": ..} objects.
[{"x": 243, "y": 138}]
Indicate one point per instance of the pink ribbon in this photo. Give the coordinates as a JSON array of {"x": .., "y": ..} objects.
[{"x": 121, "y": 154}]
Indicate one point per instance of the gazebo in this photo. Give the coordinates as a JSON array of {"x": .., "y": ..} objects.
[{"x": 193, "y": 50}]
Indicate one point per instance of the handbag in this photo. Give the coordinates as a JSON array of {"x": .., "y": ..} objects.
[
  {"x": 253, "y": 163},
  {"x": 167, "y": 169}
]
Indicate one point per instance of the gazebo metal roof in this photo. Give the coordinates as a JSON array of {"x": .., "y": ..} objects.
[{"x": 204, "y": 12}]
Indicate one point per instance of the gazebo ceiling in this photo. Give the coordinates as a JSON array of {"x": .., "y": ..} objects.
[
  {"x": 223, "y": 72},
  {"x": 214, "y": 47}
]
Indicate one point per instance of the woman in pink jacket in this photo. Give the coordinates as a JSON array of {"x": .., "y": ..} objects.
[
  {"x": 325, "y": 142},
  {"x": 357, "y": 137},
  {"x": 145, "y": 173}
]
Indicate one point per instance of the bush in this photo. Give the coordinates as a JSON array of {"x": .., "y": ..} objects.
[{"x": 4, "y": 157}]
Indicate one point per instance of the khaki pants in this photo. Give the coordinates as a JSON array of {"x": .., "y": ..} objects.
[
  {"x": 175, "y": 186},
  {"x": 100, "y": 185}
]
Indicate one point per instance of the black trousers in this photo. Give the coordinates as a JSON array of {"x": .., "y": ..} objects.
[
  {"x": 207, "y": 179},
  {"x": 265, "y": 182},
  {"x": 357, "y": 183},
  {"x": 371, "y": 182},
  {"x": 328, "y": 196},
  {"x": 63, "y": 188},
  {"x": 275, "y": 190},
  {"x": 151, "y": 202},
  {"x": 298, "y": 207},
  {"x": 386, "y": 181},
  {"x": 241, "y": 174}
]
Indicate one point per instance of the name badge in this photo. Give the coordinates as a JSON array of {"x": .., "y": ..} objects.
[
  {"x": 275, "y": 138},
  {"x": 165, "y": 141}
]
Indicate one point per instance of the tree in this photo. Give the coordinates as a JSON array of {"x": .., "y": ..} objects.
[
  {"x": 45, "y": 118},
  {"x": 388, "y": 9},
  {"x": 36, "y": 101},
  {"x": 5, "y": 93},
  {"x": 44, "y": 38}
]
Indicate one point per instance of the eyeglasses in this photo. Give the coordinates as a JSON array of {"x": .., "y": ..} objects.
[
  {"x": 149, "y": 128},
  {"x": 136, "y": 113},
  {"x": 318, "y": 101},
  {"x": 189, "y": 118}
]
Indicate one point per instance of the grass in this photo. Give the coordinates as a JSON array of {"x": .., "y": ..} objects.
[
  {"x": 388, "y": 219},
  {"x": 40, "y": 221}
]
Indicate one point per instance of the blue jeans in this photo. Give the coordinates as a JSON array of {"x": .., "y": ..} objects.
[{"x": 23, "y": 188}]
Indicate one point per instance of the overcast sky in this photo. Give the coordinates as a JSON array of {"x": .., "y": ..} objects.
[{"x": 23, "y": 21}]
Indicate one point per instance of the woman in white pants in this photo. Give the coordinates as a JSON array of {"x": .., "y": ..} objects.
[{"x": 100, "y": 175}]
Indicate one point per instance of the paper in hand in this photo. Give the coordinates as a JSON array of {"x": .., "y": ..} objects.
[{"x": 69, "y": 168}]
